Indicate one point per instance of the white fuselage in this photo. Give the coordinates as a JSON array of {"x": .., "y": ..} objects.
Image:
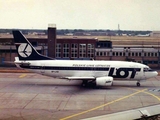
[{"x": 120, "y": 70}]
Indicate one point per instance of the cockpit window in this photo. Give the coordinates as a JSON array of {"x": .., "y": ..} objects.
[{"x": 147, "y": 69}]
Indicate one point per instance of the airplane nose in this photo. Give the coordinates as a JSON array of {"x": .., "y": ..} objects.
[{"x": 156, "y": 73}]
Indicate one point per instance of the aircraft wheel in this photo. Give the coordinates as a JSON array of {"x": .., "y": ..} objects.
[
  {"x": 84, "y": 83},
  {"x": 138, "y": 84}
]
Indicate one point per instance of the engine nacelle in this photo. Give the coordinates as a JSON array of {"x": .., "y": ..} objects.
[{"x": 104, "y": 81}]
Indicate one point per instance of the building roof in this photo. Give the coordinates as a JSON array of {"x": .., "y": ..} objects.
[
  {"x": 130, "y": 50},
  {"x": 13, "y": 47}
]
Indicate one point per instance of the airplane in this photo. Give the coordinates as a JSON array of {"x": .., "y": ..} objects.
[{"x": 98, "y": 73}]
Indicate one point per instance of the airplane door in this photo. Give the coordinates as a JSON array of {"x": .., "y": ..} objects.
[{"x": 143, "y": 72}]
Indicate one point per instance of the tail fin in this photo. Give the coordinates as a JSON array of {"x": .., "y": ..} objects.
[{"x": 25, "y": 49}]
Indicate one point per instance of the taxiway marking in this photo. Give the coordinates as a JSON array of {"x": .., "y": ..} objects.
[
  {"x": 153, "y": 95},
  {"x": 158, "y": 98},
  {"x": 22, "y": 76},
  {"x": 114, "y": 101}
]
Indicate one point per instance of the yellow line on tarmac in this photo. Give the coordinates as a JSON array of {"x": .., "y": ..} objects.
[
  {"x": 158, "y": 98},
  {"x": 22, "y": 76},
  {"x": 114, "y": 101},
  {"x": 153, "y": 95}
]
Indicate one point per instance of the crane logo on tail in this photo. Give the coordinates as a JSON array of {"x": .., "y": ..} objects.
[{"x": 24, "y": 50}]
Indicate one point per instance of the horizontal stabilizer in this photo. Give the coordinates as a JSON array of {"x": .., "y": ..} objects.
[
  {"x": 18, "y": 62},
  {"x": 9, "y": 62},
  {"x": 22, "y": 63}
]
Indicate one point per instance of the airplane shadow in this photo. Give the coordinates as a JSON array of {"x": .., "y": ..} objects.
[
  {"x": 60, "y": 85},
  {"x": 69, "y": 88},
  {"x": 78, "y": 85}
]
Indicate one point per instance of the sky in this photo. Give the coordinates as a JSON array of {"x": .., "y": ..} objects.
[{"x": 80, "y": 14}]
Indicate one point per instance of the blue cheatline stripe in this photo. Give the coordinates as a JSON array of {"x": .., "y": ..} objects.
[
  {"x": 74, "y": 68},
  {"x": 66, "y": 68}
]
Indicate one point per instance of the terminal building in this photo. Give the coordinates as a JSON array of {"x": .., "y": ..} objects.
[{"x": 77, "y": 48}]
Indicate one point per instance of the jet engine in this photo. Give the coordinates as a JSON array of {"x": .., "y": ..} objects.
[{"x": 104, "y": 81}]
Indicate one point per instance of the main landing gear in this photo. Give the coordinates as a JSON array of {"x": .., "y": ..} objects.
[
  {"x": 84, "y": 83},
  {"x": 138, "y": 84}
]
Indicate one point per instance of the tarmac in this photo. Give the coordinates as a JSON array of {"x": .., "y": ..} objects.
[{"x": 29, "y": 96}]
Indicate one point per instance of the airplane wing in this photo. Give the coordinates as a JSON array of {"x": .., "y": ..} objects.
[
  {"x": 99, "y": 81},
  {"x": 80, "y": 78}
]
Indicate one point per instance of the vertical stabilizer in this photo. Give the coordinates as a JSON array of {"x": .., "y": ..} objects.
[{"x": 25, "y": 49}]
